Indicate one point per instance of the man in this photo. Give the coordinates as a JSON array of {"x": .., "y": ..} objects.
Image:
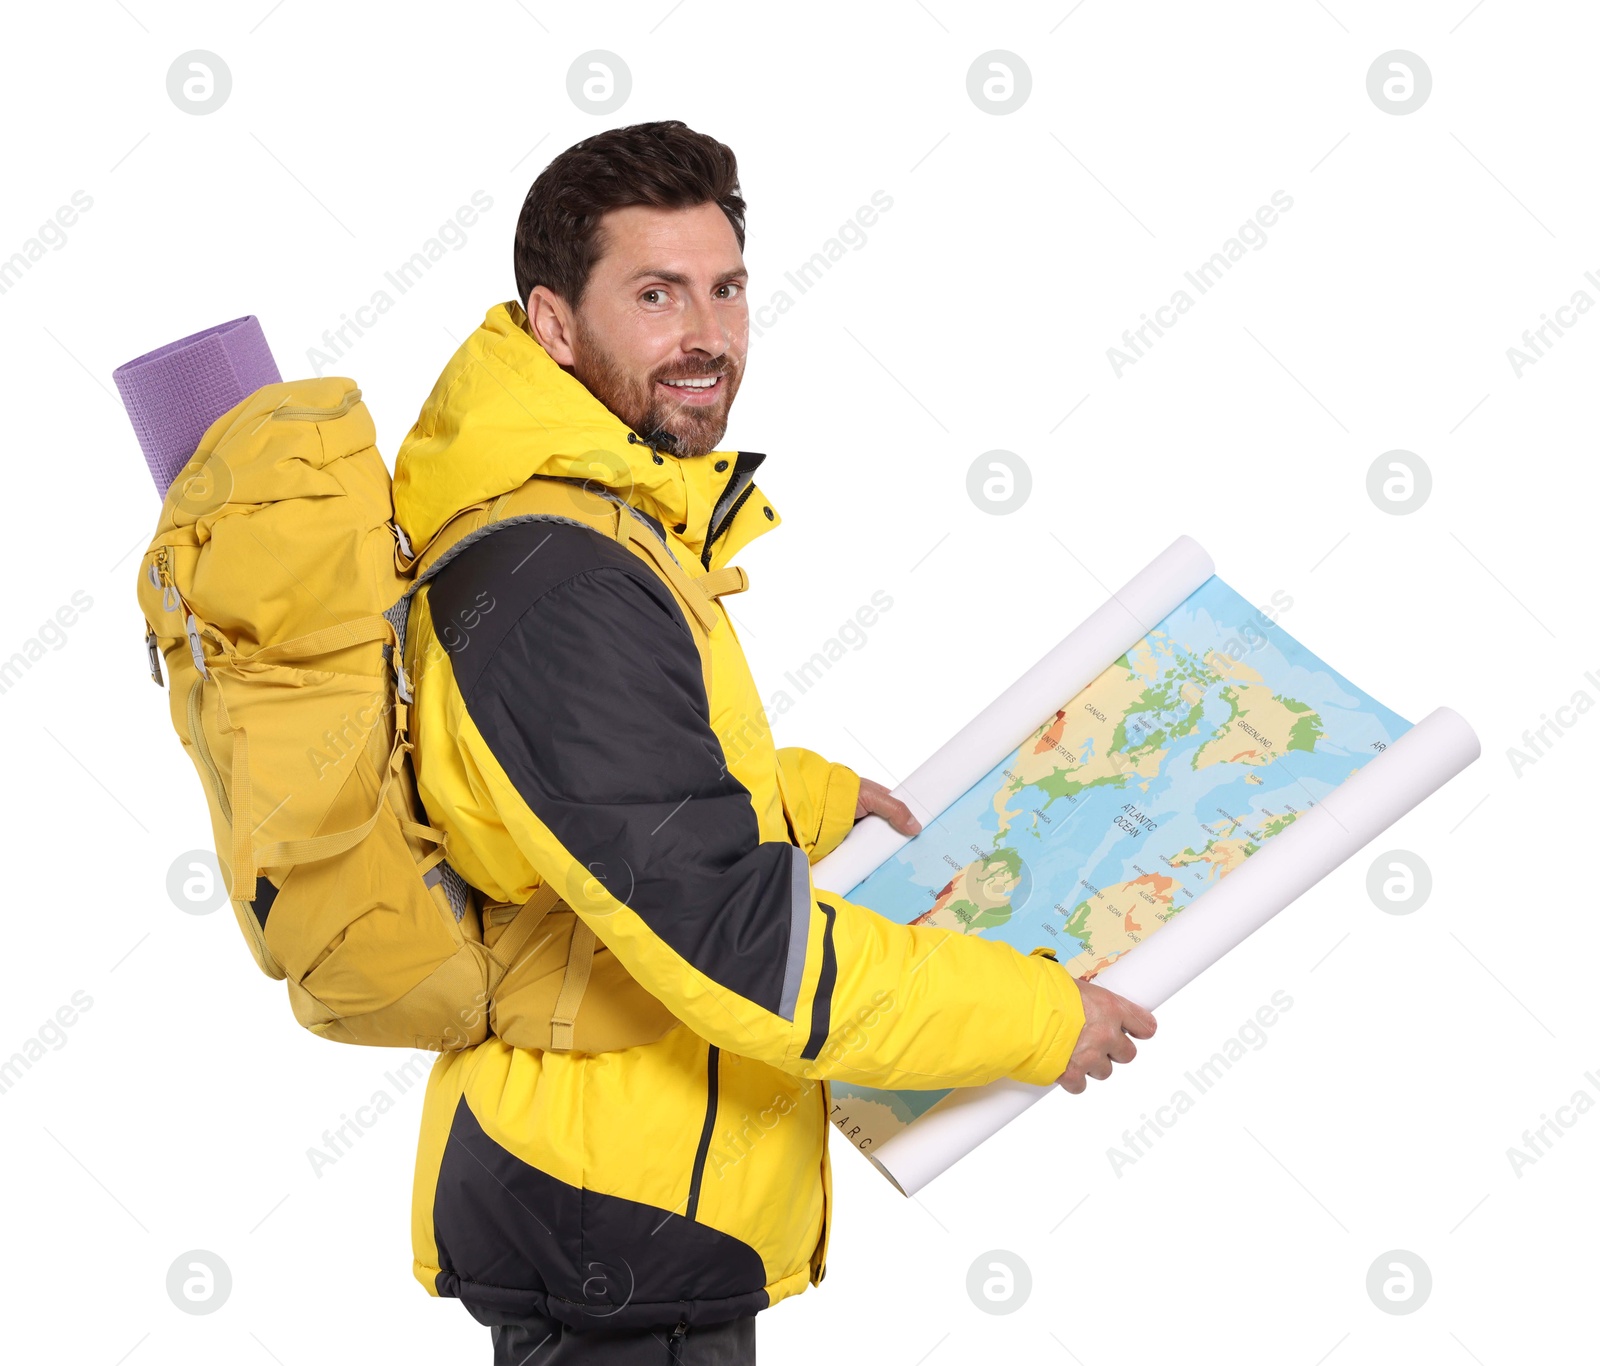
[{"x": 585, "y": 724}]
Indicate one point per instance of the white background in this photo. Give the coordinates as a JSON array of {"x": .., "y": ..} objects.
[{"x": 977, "y": 316}]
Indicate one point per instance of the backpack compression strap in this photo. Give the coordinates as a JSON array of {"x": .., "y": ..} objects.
[{"x": 720, "y": 582}]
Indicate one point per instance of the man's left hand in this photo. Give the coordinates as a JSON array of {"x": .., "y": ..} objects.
[{"x": 876, "y": 800}]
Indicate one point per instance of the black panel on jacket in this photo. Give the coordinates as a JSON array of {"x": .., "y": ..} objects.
[
  {"x": 587, "y": 1259},
  {"x": 480, "y": 595},
  {"x": 582, "y": 677}
]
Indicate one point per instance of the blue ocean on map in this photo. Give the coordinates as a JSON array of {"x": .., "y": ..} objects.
[{"x": 1210, "y": 736}]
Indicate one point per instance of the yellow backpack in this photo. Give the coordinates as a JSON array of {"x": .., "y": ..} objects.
[{"x": 276, "y": 588}]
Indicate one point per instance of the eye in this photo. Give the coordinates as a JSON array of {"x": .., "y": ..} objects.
[
  {"x": 733, "y": 290},
  {"x": 657, "y": 293}
]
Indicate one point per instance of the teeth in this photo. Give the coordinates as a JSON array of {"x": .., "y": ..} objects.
[{"x": 691, "y": 383}]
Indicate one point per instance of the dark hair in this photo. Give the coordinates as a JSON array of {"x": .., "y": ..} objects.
[{"x": 665, "y": 164}]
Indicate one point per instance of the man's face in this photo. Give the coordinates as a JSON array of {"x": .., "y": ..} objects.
[{"x": 661, "y": 332}]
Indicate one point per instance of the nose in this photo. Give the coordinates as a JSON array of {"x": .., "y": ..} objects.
[{"x": 703, "y": 329}]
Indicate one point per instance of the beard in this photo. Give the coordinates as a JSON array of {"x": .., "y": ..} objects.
[{"x": 674, "y": 426}]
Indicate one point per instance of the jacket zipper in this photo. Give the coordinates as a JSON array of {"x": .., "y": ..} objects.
[
  {"x": 820, "y": 1257},
  {"x": 712, "y": 537},
  {"x": 698, "y": 1172},
  {"x": 198, "y": 735},
  {"x": 735, "y": 492}
]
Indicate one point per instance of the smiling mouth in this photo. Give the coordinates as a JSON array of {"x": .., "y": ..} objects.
[{"x": 694, "y": 390}]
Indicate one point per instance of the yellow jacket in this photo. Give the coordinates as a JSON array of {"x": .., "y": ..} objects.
[{"x": 571, "y": 729}]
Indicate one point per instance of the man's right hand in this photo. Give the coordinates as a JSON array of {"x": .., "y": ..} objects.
[{"x": 1108, "y": 1021}]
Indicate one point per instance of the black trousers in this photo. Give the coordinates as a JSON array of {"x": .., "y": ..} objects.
[{"x": 544, "y": 1342}]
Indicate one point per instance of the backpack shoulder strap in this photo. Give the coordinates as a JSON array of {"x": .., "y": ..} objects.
[
  {"x": 559, "y": 500},
  {"x": 565, "y": 501}
]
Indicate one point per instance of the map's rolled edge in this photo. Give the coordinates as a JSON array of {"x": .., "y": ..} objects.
[
  {"x": 1361, "y": 808},
  {"x": 1074, "y": 662},
  {"x": 1356, "y": 812}
]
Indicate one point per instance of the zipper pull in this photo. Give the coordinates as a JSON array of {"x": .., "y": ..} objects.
[
  {"x": 675, "y": 1341},
  {"x": 161, "y": 577}
]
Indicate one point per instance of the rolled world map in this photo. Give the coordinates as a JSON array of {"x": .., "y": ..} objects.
[{"x": 1157, "y": 787}]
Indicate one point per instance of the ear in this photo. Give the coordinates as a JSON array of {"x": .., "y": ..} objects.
[{"x": 551, "y": 321}]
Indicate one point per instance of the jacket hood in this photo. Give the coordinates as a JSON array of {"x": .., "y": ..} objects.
[{"x": 502, "y": 411}]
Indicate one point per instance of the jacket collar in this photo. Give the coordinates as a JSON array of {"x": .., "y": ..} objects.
[{"x": 502, "y": 411}]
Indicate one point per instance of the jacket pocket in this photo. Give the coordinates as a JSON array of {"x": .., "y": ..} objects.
[{"x": 698, "y": 1171}]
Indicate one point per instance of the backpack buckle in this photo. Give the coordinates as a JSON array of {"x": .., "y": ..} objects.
[
  {"x": 191, "y": 629},
  {"x": 402, "y": 684},
  {"x": 401, "y": 539},
  {"x": 153, "y": 650}
]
